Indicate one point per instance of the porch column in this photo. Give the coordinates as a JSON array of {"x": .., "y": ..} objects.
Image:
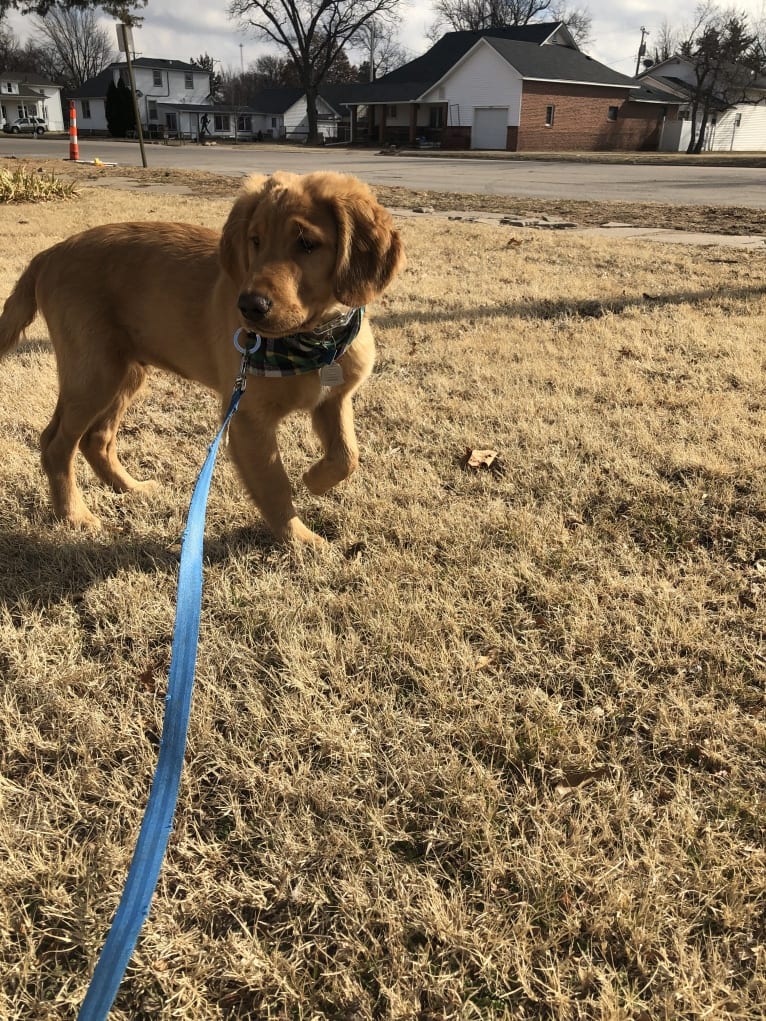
[
  {"x": 382, "y": 128},
  {"x": 414, "y": 123}
]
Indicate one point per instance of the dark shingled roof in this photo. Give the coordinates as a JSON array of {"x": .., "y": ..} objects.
[{"x": 279, "y": 99}]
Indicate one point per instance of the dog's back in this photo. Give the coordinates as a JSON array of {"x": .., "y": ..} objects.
[{"x": 137, "y": 285}]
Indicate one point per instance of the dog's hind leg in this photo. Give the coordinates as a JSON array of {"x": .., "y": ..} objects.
[
  {"x": 88, "y": 396},
  {"x": 99, "y": 443}
]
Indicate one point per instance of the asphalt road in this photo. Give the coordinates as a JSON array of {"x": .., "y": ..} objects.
[{"x": 680, "y": 185}]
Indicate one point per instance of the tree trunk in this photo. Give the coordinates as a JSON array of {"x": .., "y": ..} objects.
[
  {"x": 311, "y": 115},
  {"x": 693, "y": 136}
]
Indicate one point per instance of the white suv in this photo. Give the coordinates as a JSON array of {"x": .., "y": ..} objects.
[{"x": 33, "y": 124}]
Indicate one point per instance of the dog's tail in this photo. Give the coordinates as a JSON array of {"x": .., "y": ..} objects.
[{"x": 20, "y": 308}]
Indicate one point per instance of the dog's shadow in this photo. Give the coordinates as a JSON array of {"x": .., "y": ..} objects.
[{"x": 42, "y": 570}]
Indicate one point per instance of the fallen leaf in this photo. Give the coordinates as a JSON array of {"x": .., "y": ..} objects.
[{"x": 480, "y": 458}]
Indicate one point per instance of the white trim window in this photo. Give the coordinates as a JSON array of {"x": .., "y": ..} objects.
[
  {"x": 188, "y": 80},
  {"x": 550, "y": 115}
]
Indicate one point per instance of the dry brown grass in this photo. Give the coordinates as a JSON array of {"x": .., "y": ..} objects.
[{"x": 502, "y": 759}]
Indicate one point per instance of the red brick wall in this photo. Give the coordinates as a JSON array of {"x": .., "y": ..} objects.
[
  {"x": 581, "y": 122},
  {"x": 456, "y": 138}
]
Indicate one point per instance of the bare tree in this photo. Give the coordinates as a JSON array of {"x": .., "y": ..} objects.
[
  {"x": 479, "y": 15},
  {"x": 313, "y": 32},
  {"x": 727, "y": 58},
  {"x": 74, "y": 46},
  {"x": 377, "y": 40},
  {"x": 578, "y": 20},
  {"x": 476, "y": 15},
  {"x": 667, "y": 42}
]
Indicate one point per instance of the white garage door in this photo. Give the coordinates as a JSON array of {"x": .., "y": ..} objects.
[{"x": 490, "y": 127}]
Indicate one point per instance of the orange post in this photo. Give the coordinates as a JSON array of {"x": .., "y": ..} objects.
[{"x": 74, "y": 149}]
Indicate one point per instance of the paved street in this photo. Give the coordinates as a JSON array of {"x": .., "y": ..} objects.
[{"x": 682, "y": 185}]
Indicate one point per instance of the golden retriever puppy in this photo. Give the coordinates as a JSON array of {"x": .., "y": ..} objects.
[{"x": 298, "y": 259}]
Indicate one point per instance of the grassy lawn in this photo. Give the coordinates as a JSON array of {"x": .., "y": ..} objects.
[{"x": 499, "y": 752}]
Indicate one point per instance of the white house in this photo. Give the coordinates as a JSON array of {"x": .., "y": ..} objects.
[
  {"x": 173, "y": 96},
  {"x": 282, "y": 113},
  {"x": 739, "y": 127},
  {"x": 29, "y": 95}
]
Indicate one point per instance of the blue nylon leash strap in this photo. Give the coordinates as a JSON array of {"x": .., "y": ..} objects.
[{"x": 158, "y": 818}]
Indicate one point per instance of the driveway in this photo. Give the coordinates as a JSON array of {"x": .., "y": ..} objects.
[{"x": 679, "y": 185}]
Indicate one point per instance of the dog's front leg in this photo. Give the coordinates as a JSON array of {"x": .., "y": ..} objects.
[
  {"x": 333, "y": 421},
  {"x": 254, "y": 449}
]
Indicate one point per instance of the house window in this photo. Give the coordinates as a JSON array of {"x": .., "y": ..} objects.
[
  {"x": 273, "y": 122},
  {"x": 9, "y": 86},
  {"x": 244, "y": 122},
  {"x": 157, "y": 78},
  {"x": 171, "y": 121},
  {"x": 436, "y": 117},
  {"x": 188, "y": 80},
  {"x": 390, "y": 111},
  {"x": 85, "y": 106},
  {"x": 549, "y": 115},
  {"x": 611, "y": 114},
  {"x": 153, "y": 115},
  {"x": 222, "y": 122}
]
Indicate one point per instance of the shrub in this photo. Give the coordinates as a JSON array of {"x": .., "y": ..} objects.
[{"x": 33, "y": 186}]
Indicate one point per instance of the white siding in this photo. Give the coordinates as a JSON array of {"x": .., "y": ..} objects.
[
  {"x": 482, "y": 80},
  {"x": 747, "y": 136},
  {"x": 97, "y": 119},
  {"x": 296, "y": 121}
]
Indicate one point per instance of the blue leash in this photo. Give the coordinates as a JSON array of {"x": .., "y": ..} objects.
[{"x": 158, "y": 818}]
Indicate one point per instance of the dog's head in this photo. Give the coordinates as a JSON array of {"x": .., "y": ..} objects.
[{"x": 298, "y": 246}]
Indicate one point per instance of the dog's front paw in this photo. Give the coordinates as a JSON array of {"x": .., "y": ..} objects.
[
  {"x": 298, "y": 534},
  {"x": 325, "y": 474},
  {"x": 82, "y": 520}
]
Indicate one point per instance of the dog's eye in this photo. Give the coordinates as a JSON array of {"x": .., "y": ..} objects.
[
  {"x": 255, "y": 241},
  {"x": 306, "y": 243}
]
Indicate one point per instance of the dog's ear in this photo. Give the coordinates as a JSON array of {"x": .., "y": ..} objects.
[
  {"x": 234, "y": 244},
  {"x": 370, "y": 250}
]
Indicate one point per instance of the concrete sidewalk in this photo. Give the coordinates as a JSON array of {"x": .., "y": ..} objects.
[{"x": 621, "y": 231}]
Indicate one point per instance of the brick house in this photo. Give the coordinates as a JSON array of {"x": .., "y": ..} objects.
[{"x": 528, "y": 88}]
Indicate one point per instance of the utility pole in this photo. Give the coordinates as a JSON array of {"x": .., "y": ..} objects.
[
  {"x": 125, "y": 42},
  {"x": 371, "y": 30},
  {"x": 641, "y": 50}
]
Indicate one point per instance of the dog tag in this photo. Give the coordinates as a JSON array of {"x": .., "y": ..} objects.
[{"x": 331, "y": 375}]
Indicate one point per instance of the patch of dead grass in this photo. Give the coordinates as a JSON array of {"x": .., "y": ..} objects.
[{"x": 504, "y": 759}]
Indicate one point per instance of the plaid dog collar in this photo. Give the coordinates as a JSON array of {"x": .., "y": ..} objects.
[{"x": 302, "y": 352}]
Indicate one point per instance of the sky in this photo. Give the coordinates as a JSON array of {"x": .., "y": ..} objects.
[{"x": 174, "y": 31}]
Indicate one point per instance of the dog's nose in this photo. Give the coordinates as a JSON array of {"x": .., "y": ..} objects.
[{"x": 253, "y": 306}]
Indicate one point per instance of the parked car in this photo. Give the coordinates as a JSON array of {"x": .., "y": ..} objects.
[{"x": 33, "y": 124}]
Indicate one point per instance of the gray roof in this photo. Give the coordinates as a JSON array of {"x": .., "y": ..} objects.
[
  {"x": 27, "y": 78},
  {"x": 280, "y": 98},
  {"x": 650, "y": 94},
  {"x": 557, "y": 63}
]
